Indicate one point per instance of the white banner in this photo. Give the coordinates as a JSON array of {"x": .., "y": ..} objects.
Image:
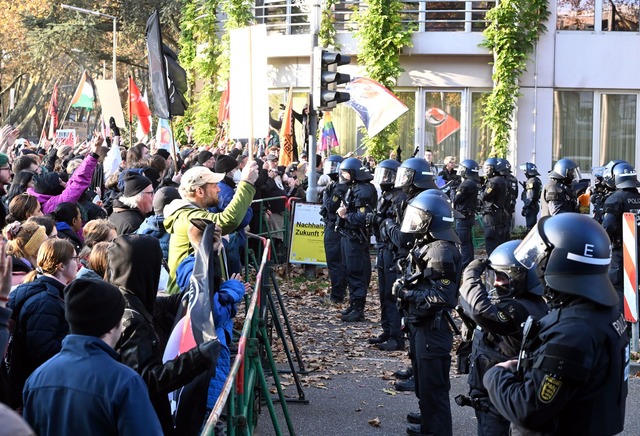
[{"x": 110, "y": 101}]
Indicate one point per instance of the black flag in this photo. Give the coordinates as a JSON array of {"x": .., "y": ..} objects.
[{"x": 168, "y": 78}]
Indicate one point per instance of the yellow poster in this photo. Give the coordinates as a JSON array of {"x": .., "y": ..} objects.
[{"x": 307, "y": 235}]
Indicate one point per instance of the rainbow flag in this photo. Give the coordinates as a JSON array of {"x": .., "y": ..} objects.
[{"x": 329, "y": 137}]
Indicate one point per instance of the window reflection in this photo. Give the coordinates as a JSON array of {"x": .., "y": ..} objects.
[
  {"x": 575, "y": 15},
  {"x": 573, "y": 126},
  {"x": 620, "y": 15},
  {"x": 479, "y": 146},
  {"x": 442, "y": 124}
]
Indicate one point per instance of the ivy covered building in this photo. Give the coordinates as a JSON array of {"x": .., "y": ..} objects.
[{"x": 579, "y": 94}]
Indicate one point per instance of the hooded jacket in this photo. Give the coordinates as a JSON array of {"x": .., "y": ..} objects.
[
  {"x": 134, "y": 266},
  {"x": 178, "y": 214},
  {"x": 126, "y": 219},
  {"x": 77, "y": 184}
]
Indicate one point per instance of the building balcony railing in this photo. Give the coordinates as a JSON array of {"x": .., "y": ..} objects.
[{"x": 291, "y": 17}]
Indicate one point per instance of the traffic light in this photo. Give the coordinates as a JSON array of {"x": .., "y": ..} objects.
[{"x": 326, "y": 79}]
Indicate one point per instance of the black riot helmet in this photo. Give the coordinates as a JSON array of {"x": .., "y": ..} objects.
[
  {"x": 331, "y": 164},
  {"x": 490, "y": 167},
  {"x": 625, "y": 176},
  {"x": 357, "y": 171},
  {"x": 509, "y": 277},
  {"x": 608, "y": 177},
  {"x": 565, "y": 169},
  {"x": 469, "y": 169},
  {"x": 529, "y": 169},
  {"x": 415, "y": 172},
  {"x": 430, "y": 214},
  {"x": 572, "y": 252},
  {"x": 385, "y": 174},
  {"x": 504, "y": 167}
]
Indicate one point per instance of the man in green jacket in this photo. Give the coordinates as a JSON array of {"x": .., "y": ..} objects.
[{"x": 199, "y": 191}]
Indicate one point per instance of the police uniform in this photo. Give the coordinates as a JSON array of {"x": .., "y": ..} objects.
[
  {"x": 355, "y": 242},
  {"x": 531, "y": 199},
  {"x": 389, "y": 205},
  {"x": 497, "y": 338},
  {"x": 558, "y": 198},
  {"x": 427, "y": 301},
  {"x": 512, "y": 199},
  {"x": 494, "y": 214},
  {"x": 466, "y": 202},
  {"x": 331, "y": 198},
  {"x": 574, "y": 379},
  {"x": 621, "y": 201}
]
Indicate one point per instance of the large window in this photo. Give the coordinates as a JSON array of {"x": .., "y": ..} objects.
[
  {"x": 479, "y": 139},
  {"x": 405, "y": 137},
  {"x": 598, "y": 15},
  {"x": 573, "y": 127},
  {"x": 617, "y": 127},
  {"x": 442, "y": 126}
]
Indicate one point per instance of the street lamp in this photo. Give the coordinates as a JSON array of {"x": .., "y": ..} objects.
[{"x": 99, "y": 14}]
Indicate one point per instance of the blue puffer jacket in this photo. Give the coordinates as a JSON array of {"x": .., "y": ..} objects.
[
  {"x": 154, "y": 226},
  {"x": 224, "y": 309},
  {"x": 41, "y": 326}
]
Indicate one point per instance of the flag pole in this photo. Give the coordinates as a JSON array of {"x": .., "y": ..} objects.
[
  {"x": 69, "y": 108},
  {"x": 173, "y": 147},
  {"x": 130, "y": 113},
  {"x": 44, "y": 125}
]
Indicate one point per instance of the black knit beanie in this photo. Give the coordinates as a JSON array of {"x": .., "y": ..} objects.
[
  {"x": 134, "y": 184},
  {"x": 204, "y": 156},
  {"x": 92, "y": 307},
  {"x": 225, "y": 163},
  {"x": 164, "y": 153}
]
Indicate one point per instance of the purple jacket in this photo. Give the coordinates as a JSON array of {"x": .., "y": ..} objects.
[{"x": 77, "y": 184}]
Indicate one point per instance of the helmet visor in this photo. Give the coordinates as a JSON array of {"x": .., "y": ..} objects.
[
  {"x": 531, "y": 250},
  {"x": 404, "y": 177},
  {"x": 384, "y": 176},
  {"x": 574, "y": 174},
  {"x": 330, "y": 167},
  {"x": 415, "y": 220}
]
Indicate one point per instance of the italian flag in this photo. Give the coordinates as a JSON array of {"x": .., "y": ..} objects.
[{"x": 84, "y": 96}]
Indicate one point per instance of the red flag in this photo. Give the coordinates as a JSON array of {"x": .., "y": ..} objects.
[
  {"x": 444, "y": 124},
  {"x": 137, "y": 106},
  {"x": 53, "y": 112},
  {"x": 223, "y": 110}
]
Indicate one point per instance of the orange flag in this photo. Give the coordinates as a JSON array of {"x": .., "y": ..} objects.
[{"x": 286, "y": 133}]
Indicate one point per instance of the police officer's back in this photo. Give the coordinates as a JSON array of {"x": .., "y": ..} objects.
[
  {"x": 494, "y": 198},
  {"x": 465, "y": 201},
  {"x": 626, "y": 198},
  {"x": 558, "y": 194},
  {"x": 504, "y": 168},
  {"x": 531, "y": 193},
  {"x": 573, "y": 374}
]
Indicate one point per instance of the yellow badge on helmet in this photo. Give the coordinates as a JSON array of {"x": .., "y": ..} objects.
[
  {"x": 489, "y": 190},
  {"x": 363, "y": 209},
  {"x": 335, "y": 198},
  {"x": 445, "y": 281},
  {"x": 502, "y": 317},
  {"x": 549, "y": 388}
]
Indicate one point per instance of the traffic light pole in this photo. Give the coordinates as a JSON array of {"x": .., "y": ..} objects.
[{"x": 312, "y": 189}]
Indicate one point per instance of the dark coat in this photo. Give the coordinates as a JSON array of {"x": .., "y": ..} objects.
[
  {"x": 39, "y": 330},
  {"x": 127, "y": 220},
  {"x": 66, "y": 232}
]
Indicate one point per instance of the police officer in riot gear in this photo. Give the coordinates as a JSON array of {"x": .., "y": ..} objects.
[
  {"x": 626, "y": 198},
  {"x": 498, "y": 294},
  {"x": 558, "y": 194},
  {"x": 532, "y": 189},
  {"x": 359, "y": 200},
  {"x": 428, "y": 291},
  {"x": 504, "y": 168},
  {"x": 388, "y": 204},
  {"x": 494, "y": 201},
  {"x": 414, "y": 176},
  {"x": 465, "y": 201},
  {"x": 332, "y": 239},
  {"x": 572, "y": 374}
]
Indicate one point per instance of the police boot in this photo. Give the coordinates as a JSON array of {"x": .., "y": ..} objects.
[
  {"x": 392, "y": 344},
  {"x": 356, "y": 314},
  {"x": 379, "y": 339},
  {"x": 415, "y": 430},
  {"x": 404, "y": 374},
  {"x": 414, "y": 418},
  {"x": 347, "y": 310},
  {"x": 405, "y": 386}
]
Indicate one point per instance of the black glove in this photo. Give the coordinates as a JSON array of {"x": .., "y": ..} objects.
[
  {"x": 475, "y": 268},
  {"x": 282, "y": 107},
  {"x": 210, "y": 350},
  {"x": 112, "y": 125}
]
